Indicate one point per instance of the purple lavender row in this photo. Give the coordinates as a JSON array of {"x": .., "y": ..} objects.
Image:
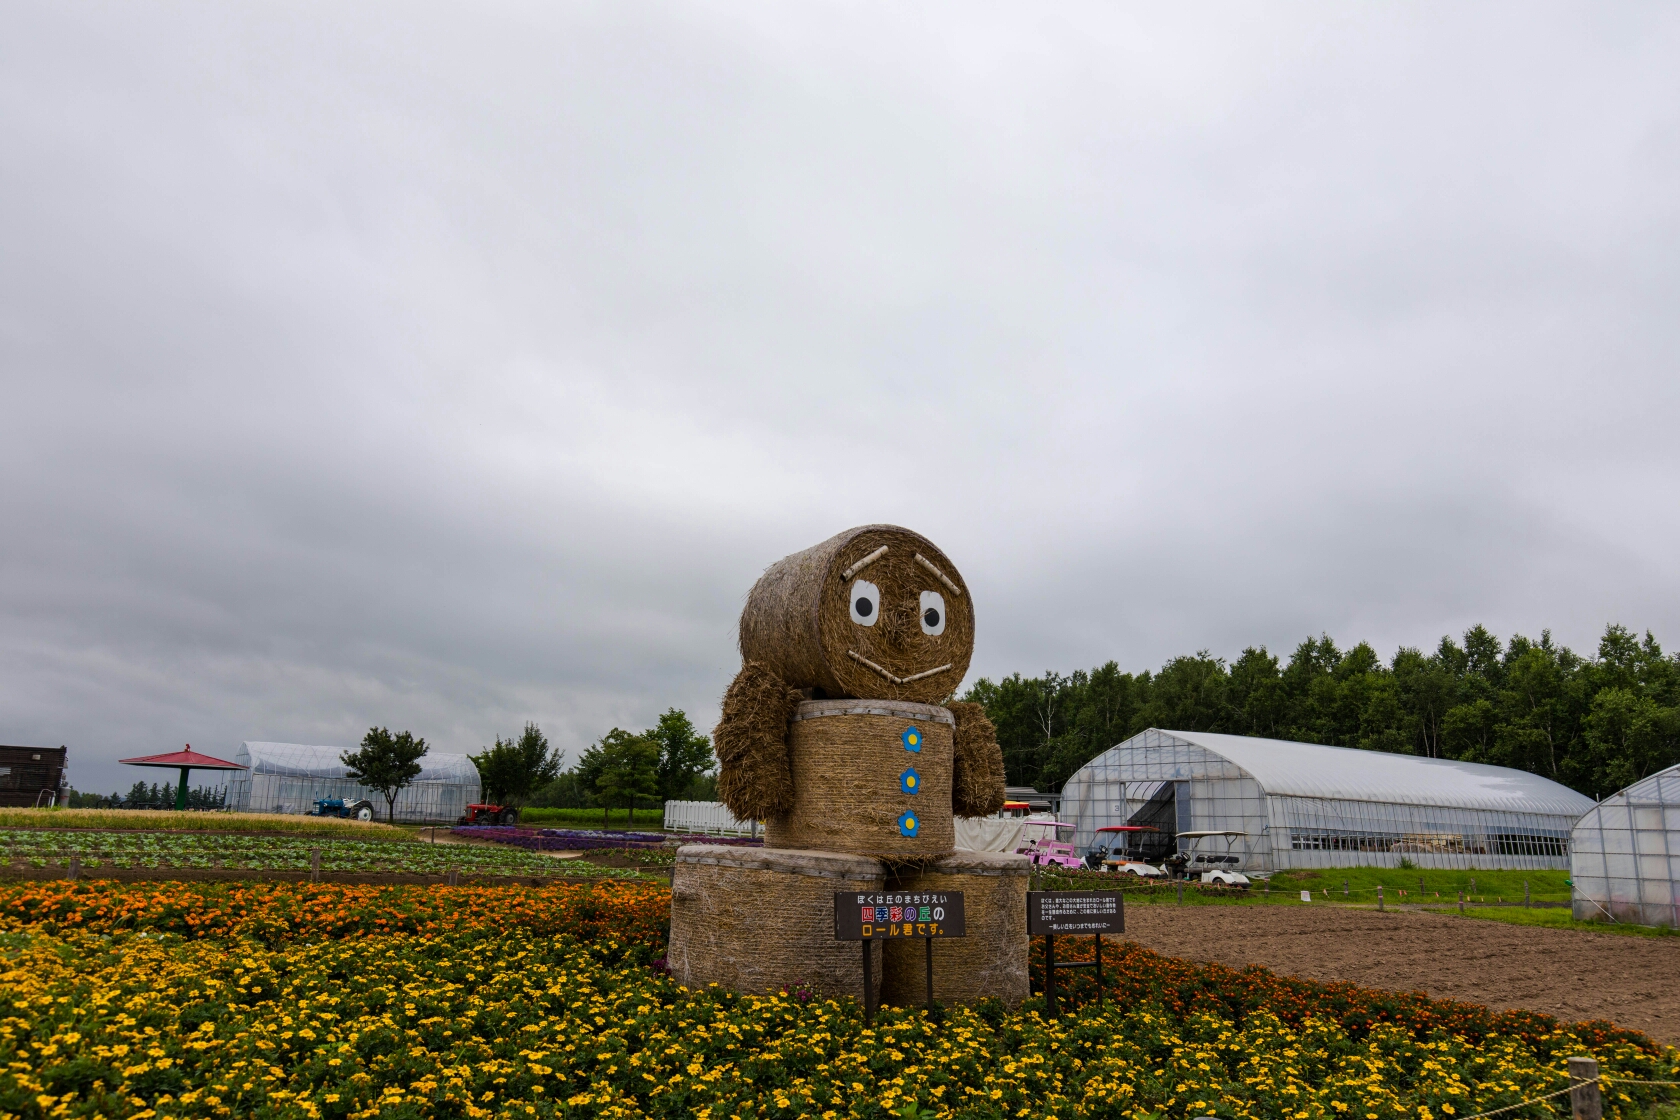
[{"x": 559, "y": 840}]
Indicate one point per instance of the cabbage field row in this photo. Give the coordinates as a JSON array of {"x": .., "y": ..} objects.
[{"x": 21, "y": 848}]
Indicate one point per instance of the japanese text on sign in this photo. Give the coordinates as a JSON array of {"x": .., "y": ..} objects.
[
  {"x": 1075, "y": 912},
  {"x": 866, "y": 916}
]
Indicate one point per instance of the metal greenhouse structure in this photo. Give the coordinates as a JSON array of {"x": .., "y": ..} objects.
[
  {"x": 1307, "y": 805},
  {"x": 1625, "y": 854},
  {"x": 291, "y": 777}
]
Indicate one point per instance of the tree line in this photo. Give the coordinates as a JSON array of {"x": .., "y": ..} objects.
[
  {"x": 670, "y": 761},
  {"x": 1595, "y": 724}
]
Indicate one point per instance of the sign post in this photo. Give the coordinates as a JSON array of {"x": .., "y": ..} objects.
[
  {"x": 1073, "y": 914},
  {"x": 871, "y": 916}
]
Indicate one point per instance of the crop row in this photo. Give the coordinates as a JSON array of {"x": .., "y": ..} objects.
[{"x": 267, "y": 853}]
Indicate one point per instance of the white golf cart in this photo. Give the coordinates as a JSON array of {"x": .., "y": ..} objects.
[{"x": 1210, "y": 866}]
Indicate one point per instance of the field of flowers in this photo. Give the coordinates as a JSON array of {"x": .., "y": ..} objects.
[
  {"x": 164, "y": 1000},
  {"x": 123, "y": 849}
]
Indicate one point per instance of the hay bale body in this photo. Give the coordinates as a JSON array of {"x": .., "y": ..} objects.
[
  {"x": 992, "y": 959},
  {"x": 799, "y": 618},
  {"x": 977, "y": 779},
  {"x": 758, "y": 920},
  {"x": 849, "y": 760}
]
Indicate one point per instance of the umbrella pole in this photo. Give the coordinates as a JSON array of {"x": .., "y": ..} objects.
[{"x": 181, "y": 794}]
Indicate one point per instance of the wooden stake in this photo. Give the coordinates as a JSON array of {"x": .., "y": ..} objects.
[
  {"x": 1585, "y": 1101},
  {"x": 937, "y": 574},
  {"x": 866, "y": 561}
]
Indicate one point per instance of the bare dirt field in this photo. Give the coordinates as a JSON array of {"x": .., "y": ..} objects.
[{"x": 1632, "y": 981}]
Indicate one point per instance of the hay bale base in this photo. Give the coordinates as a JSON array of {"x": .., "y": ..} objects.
[
  {"x": 992, "y": 959},
  {"x": 760, "y": 920},
  {"x": 848, "y": 758}
]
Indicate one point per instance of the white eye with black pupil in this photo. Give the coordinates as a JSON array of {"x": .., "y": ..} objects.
[
  {"x": 866, "y": 603},
  {"x": 933, "y": 613}
]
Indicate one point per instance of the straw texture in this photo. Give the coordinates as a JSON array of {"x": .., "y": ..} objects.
[
  {"x": 992, "y": 959},
  {"x": 760, "y": 920},
  {"x": 848, "y": 761},
  {"x": 977, "y": 763},
  {"x": 798, "y": 618},
  {"x": 754, "y": 780}
]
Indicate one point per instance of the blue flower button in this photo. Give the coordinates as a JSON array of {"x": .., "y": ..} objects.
[
  {"x": 908, "y": 824},
  {"x": 913, "y": 739},
  {"x": 910, "y": 781}
]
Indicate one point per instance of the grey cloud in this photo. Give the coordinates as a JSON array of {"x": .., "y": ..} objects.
[{"x": 449, "y": 368}]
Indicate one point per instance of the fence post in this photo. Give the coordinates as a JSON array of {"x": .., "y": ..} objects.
[
  {"x": 1461, "y": 902},
  {"x": 1379, "y": 898},
  {"x": 1344, "y": 888},
  {"x": 75, "y": 867},
  {"x": 1526, "y": 903},
  {"x": 1584, "y": 1099},
  {"x": 1181, "y": 892},
  {"x": 314, "y": 865}
]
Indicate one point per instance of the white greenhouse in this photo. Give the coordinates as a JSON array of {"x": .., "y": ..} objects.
[
  {"x": 1306, "y": 805},
  {"x": 291, "y": 777},
  {"x": 1625, "y": 854}
]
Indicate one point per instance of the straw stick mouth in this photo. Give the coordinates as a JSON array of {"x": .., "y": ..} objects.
[{"x": 891, "y": 677}]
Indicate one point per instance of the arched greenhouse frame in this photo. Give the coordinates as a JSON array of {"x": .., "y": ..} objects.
[
  {"x": 291, "y": 777},
  {"x": 1300, "y": 805}
]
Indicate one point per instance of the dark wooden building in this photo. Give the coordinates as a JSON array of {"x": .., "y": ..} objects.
[{"x": 26, "y": 773}]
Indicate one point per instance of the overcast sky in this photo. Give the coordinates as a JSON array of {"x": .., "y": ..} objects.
[{"x": 448, "y": 367}]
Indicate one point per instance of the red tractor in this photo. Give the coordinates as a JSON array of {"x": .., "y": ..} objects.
[{"x": 490, "y": 814}]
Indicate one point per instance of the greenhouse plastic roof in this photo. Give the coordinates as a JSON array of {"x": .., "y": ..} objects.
[
  {"x": 297, "y": 760},
  {"x": 1661, "y": 788},
  {"x": 1348, "y": 774}
]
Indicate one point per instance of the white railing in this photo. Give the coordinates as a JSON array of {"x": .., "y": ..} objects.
[{"x": 705, "y": 817}]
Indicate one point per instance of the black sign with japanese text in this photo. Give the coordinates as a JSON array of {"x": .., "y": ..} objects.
[
  {"x": 1075, "y": 913},
  {"x": 881, "y": 915}
]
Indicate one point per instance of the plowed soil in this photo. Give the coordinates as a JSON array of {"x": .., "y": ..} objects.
[{"x": 1633, "y": 982}]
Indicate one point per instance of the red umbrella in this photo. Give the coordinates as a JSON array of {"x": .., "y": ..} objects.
[{"x": 183, "y": 761}]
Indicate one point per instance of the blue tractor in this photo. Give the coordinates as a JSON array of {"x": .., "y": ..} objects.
[{"x": 349, "y": 808}]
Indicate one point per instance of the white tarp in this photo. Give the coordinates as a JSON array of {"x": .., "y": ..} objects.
[{"x": 989, "y": 834}]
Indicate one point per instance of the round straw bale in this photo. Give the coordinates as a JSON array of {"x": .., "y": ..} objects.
[
  {"x": 853, "y": 777},
  {"x": 759, "y": 920},
  {"x": 751, "y": 742},
  {"x": 992, "y": 959},
  {"x": 977, "y": 763},
  {"x": 910, "y": 640}
]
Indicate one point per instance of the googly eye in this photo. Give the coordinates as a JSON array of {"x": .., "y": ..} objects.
[
  {"x": 933, "y": 613},
  {"x": 866, "y": 603}
]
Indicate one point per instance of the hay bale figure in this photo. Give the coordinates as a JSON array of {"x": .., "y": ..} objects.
[{"x": 839, "y": 733}]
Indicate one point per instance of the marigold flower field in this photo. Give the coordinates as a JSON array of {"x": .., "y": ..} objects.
[{"x": 297, "y": 1000}]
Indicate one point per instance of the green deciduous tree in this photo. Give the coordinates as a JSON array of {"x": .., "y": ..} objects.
[
  {"x": 625, "y": 767},
  {"x": 512, "y": 770},
  {"x": 684, "y": 754},
  {"x": 386, "y": 762}
]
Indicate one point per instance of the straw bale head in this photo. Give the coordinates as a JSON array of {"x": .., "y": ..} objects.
[{"x": 876, "y": 612}]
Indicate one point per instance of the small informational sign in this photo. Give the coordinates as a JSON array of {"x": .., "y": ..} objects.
[
  {"x": 1075, "y": 913},
  {"x": 1306, "y": 896},
  {"x": 882, "y": 916}
]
